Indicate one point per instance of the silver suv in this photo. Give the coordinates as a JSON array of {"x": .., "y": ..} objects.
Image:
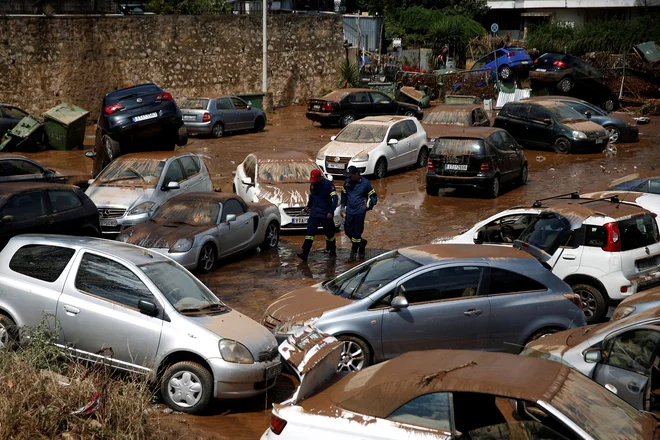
[{"x": 139, "y": 311}]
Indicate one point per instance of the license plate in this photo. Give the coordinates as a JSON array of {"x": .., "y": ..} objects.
[
  {"x": 599, "y": 141},
  {"x": 108, "y": 222},
  {"x": 145, "y": 117},
  {"x": 272, "y": 371},
  {"x": 525, "y": 62},
  {"x": 646, "y": 263},
  {"x": 316, "y": 107},
  {"x": 451, "y": 166},
  {"x": 300, "y": 220},
  {"x": 188, "y": 117},
  {"x": 540, "y": 70},
  {"x": 336, "y": 166}
]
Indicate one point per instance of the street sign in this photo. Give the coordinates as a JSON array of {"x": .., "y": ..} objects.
[
  {"x": 494, "y": 28},
  {"x": 396, "y": 42}
]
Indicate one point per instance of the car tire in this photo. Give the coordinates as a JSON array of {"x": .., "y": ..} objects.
[
  {"x": 346, "y": 119},
  {"x": 609, "y": 105},
  {"x": 432, "y": 190},
  {"x": 259, "y": 124},
  {"x": 562, "y": 145},
  {"x": 324, "y": 124},
  {"x": 181, "y": 136},
  {"x": 380, "y": 170},
  {"x": 410, "y": 114},
  {"x": 542, "y": 333},
  {"x": 524, "y": 175},
  {"x": 207, "y": 258},
  {"x": 565, "y": 85},
  {"x": 505, "y": 72},
  {"x": 593, "y": 302},
  {"x": 187, "y": 379},
  {"x": 355, "y": 354},
  {"x": 272, "y": 237},
  {"x": 218, "y": 130},
  {"x": 613, "y": 133},
  {"x": 8, "y": 332},
  {"x": 494, "y": 190},
  {"x": 423, "y": 157}
]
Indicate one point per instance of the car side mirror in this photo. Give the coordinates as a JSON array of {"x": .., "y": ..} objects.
[
  {"x": 332, "y": 138},
  {"x": 230, "y": 218},
  {"x": 399, "y": 302},
  {"x": 588, "y": 115},
  {"x": 172, "y": 185},
  {"x": 593, "y": 356},
  {"x": 90, "y": 154},
  {"x": 547, "y": 121},
  {"x": 147, "y": 308},
  {"x": 249, "y": 107},
  {"x": 392, "y": 142},
  {"x": 90, "y": 181},
  {"x": 479, "y": 236},
  {"x": 247, "y": 181},
  {"x": 7, "y": 219}
]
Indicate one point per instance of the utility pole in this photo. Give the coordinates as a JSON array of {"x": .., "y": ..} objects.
[{"x": 264, "y": 73}]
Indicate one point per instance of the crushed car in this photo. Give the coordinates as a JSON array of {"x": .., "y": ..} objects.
[
  {"x": 439, "y": 118},
  {"x": 197, "y": 229},
  {"x": 225, "y": 114},
  {"x": 18, "y": 168},
  {"x": 506, "y": 61}
]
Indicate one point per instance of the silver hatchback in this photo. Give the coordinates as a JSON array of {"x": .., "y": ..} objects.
[
  {"x": 224, "y": 114},
  {"x": 138, "y": 311}
]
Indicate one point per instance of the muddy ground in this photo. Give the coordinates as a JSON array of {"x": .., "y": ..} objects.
[{"x": 404, "y": 216}]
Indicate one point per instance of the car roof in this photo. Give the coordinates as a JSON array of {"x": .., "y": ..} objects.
[
  {"x": 4, "y": 155},
  {"x": 556, "y": 98},
  {"x": 584, "y": 208},
  {"x": 382, "y": 119},
  {"x": 281, "y": 156},
  {"x": 137, "y": 87},
  {"x": 156, "y": 155},
  {"x": 9, "y": 188},
  {"x": 432, "y": 253},
  {"x": 381, "y": 389},
  {"x": 339, "y": 94},
  {"x": 463, "y": 132}
]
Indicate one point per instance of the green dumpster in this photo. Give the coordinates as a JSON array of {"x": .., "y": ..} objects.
[
  {"x": 65, "y": 126},
  {"x": 256, "y": 100},
  {"x": 26, "y": 132}
]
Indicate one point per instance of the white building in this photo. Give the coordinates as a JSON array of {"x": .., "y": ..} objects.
[{"x": 514, "y": 17}]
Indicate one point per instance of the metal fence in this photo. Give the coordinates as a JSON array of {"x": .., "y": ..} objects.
[{"x": 363, "y": 31}]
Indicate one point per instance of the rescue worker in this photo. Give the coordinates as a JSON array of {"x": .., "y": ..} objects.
[
  {"x": 357, "y": 197},
  {"x": 321, "y": 207}
]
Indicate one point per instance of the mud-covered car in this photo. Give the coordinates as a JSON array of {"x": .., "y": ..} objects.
[
  {"x": 640, "y": 302},
  {"x": 10, "y": 115},
  {"x": 620, "y": 355},
  {"x": 281, "y": 179},
  {"x": 17, "y": 168},
  {"x": 442, "y": 117},
  {"x": 195, "y": 229},
  {"x": 446, "y": 394}
]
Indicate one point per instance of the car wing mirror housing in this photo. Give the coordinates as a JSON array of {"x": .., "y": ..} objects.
[
  {"x": 593, "y": 356},
  {"x": 588, "y": 115},
  {"x": 332, "y": 138},
  {"x": 147, "y": 308},
  {"x": 172, "y": 185},
  {"x": 399, "y": 302},
  {"x": 230, "y": 218},
  {"x": 247, "y": 181},
  {"x": 392, "y": 142}
]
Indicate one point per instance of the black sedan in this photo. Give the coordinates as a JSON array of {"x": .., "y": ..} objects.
[
  {"x": 9, "y": 117},
  {"x": 344, "y": 106},
  {"x": 572, "y": 76}
]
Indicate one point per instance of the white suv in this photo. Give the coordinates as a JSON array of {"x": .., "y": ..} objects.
[{"x": 604, "y": 249}]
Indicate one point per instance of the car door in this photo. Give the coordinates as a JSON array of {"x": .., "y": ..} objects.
[
  {"x": 99, "y": 317},
  {"x": 360, "y": 104},
  {"x": 396, "y": 153},
  {"x": 236, "y": 234},
  {"x": 630, "y": 365},
  {"x": 539, "y": 127},
  {"x": 244, "y": 114},
  {"x": 515, "y": 153},
  {"x": 514, "y": 121},
  {"x": 19, "y": 170},
  {"x": 68, "y": 212},
  {"x": 446, "y": 309},
  {"x": 25, "y": 213},
  {"x": 383, "y": 104},
  {"x": 191, "y": 170},
  {"x": 500, "y": 157},
  {"x": 227, "y": 114},
  {"x": 172, "y": 173}
]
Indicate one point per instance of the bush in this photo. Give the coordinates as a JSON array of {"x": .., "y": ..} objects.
[{"x": 348, "y": 75}]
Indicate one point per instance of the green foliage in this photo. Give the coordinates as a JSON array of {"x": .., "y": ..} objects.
[
  {"x": 470, "y": 8},
  {"x": 456, "y": 31},
  {"x": 348, "y": 75},
  {"x": 189, "y": 7}
]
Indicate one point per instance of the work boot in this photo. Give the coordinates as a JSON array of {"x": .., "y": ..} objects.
[
  {"x": 303, "y": 255},
  {"x": 354, "y": 251},
  {"x": 332, "y": 251},
  {"x": 363, "y": 247}
]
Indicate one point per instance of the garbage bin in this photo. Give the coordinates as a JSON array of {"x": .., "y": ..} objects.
[
  {"x": 26, "y": 132},
  {"x": 65, "y": 126},
  {"x": 256, "y": 100}
]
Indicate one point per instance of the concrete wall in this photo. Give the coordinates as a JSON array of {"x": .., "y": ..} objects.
[{"x": 79, "y": 59}]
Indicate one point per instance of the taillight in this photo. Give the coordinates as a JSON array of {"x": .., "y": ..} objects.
[
  {"x": 165, "y": 96},
  {"x": 536, "y": 61},
  {"x": 510, "y": 54},
  {"x": 328, "y": 106},
  {"x": 613, "y": 240},
  {"x": 276, "y": 424},
  {"x": 113, "y": 108},
  {"x": 430, "y": 165},
  {"x": 485, "y": 167},
  {"x": 560, "y": 64},
  {"x": 575, "y": 299},
  {"x": 206, "y": 117}
]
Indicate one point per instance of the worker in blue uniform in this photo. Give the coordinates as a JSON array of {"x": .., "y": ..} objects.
[
  {"x": 321, "y": 207},
  {"x": 357, "y": 197}
]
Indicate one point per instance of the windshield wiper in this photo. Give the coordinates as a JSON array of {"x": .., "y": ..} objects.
[
  {"x": 132, "y": 170},
  {"x": 214, "y": 306},
  {"x": 119, "y": 179}
]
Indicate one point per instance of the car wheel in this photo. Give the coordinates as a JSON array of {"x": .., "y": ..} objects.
[
  {"x": 410, "y": 114},
  {"x": 259, "y": 124},
  {"x": 609, "y": 105},
  {"x": 181, "y": 137},
  {"x": 524, "y": 175},
  {"x": 613, "y": 133},
  {"x": 542, "y": 334},
  {"x": 565, "y": 85},
  {"x": 111, "y": 147},
  {"x": 506, "y": 72},
  {"x": 187, "y": 387},
  {"x": 562, "y": 145},
  {"x": 355, "y": 354},
  {"x": 218, "y": 130},
  {"x": 494, "y": 189},
  {"x": 432, "y": 190},
  {"x": 206, "y": 260},
  {"x": 423, "y": 157},
  {"x": 347, "y": 118},
  {"x": 8, "y": 332},
  {"x": 233, "y": 188},
  {"x": 593, "y": 302},
  {"x": 272, "y": 238},
  {"x": 381, "y": 168}
]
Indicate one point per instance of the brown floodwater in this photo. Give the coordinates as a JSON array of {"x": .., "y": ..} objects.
[{"x": 404, "y": 216}]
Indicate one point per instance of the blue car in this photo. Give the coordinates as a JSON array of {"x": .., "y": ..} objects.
[
  {"x": 509, "y": 60},
  {"x": 618, "y": 130}
]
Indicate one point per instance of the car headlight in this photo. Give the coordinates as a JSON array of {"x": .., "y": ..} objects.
[
  {"x": 123, "y": 238},
  {"x": 292, "y": 327},
  {"x": 232, "y": 351},
  {"x": 182, "y": 245},
  {"x": 622, "y": 312},
  {"x": 142, "y": 208},
  {"x": 579, "y": 135},
  {"x": 321, "y": 154},
  {"x": 362, "y": 157}
]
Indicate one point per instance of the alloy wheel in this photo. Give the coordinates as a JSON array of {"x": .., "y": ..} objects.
[
  {"x": 565, "y": 85},
  {"x": 410, "y": 114},
  {"x": 272, "y": 235},
  {"x": 589, "y": 303},
  {"x": 525, "y": 175},
  {"x": 185, "y": 389},
  {"x": 207, "y": 258},
  {"x": 218, "y": 130},
  {"x": 352, "y": 357},
  {"x": 347, "y": 119},
  {"x": 381, "y": 169},
  {"x": 495, "y": 190},
  {"x": 423, "y": 158},
  {"x": 4, "y": 336},
  {"x": 613, "y": 133}
]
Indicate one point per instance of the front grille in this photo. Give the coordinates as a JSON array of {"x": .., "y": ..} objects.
[
  {"x": 111, "y": 212},
  {"x": 268, "y": 355},
  {"x": 594, "y": 134},
  {"x": 332, "y": 160},
  {"x": 294, "y": 212},
  {"x": 271, "y": 323}
]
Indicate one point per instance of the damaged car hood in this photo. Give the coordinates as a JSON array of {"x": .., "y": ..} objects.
[
  {"x": 306, "y": 303},
  {"x": 349, "y": 149},
  {"x": 162, "y": 234},
  {"x": 118, "y": 196},
  {"x": 291, "y": 194}
]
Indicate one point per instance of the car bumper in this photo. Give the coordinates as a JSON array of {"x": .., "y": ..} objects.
[
  {"x": 549, "y": 77},
  {"x": 479, "y": 182},
  {"x": 198, "y": 127},
  {"x": 322, "y": 117},
  {"x": 186, "y": 259},
  {"x": 126, "y": 127},
  {"x": 630, "y": 134},
  {"x": 590, "y": 144},
  {"x": 237, "y": 381},
  {"x": 287, "y": 221},
  {"x": 365, "y": 168},
  {"x": 111, "y": 226},
  {"x": 614, "y": 281}
]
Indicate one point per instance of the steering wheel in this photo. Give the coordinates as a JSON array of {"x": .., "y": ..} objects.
[{"x": 508, "y": 233}]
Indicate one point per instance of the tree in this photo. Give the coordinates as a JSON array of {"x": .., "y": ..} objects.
[
  {"x": 189, "y": 7},
  {"x": 469, "y": 8}
]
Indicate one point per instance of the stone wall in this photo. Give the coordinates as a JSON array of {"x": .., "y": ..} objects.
[{"x": 79, "y": 59}]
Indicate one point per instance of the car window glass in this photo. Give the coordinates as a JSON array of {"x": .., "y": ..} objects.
[
  {"x": 505, "y": 229},
  {"x": 377, "y": 97},
  {"x": 239, "y": 104},
  {"x": 508, "y": 140},
  {"x": 432, "y": 410},
  {"x": 633, "y": 350},
  {"x": 500, "y": 53},
  {"x": 537, "y": 113},
  {"x": 61, "y": 201},
  {"x": 517, "y": 110},
  {"x": 547, "y": 232},
  {"x": 581, "y": 108},
  {"x": 496, "y": 141},
  {"x": 505, "y": 281},
  {"x": 482, "y": 117},
  {"x": 195, "y": 104},
  {"x": 638, "y": 232},
  {"x": 396, "y": 132},
  {"x": 223, "y": 104},
  {"x": 595, "y": 236},
  {"x": 110, "y": 280},
  {"x": 232, "y": 206},
  {"x": 441, "y": 284},
  {"x": 189, "y": 166},
  {"x": 25, "y": 207},
  {"x": 654, "y": 186},
  {"x": 174, "y": 173},
  {"x": 411, "y": 128},
  {"x": 16, "y": 167},
  {"x": 359, "y": 98},
  {"x": 43, "y": 262},
  {"x": 13, "y": 112}
]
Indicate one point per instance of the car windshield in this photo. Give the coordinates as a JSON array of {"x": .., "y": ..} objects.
[
  {"x": 458, "y": 147},
  {"x": 362, "y": 281},
  {"x": 638, "y": 232},
  {"x": 182, "y": 290},
  {"x": 192, "y": 212},
  {"x": 563, "y": 112},
  {"x": 195, "y": 104},
  {"x": 598, "y": 411},
  {"x": 448, "y": 117},
  {"x": 547, "y": 232},
  {"x": 531, "y": 352},
  {"x": 362, "y": 133},
  {"x": 285, "y": 171},
  {"x": 131, "y": 172}
]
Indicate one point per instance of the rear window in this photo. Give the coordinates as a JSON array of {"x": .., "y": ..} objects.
[
  {"x": 448, "y": 117},
  {"x": 550, "y": 57},
  {"x": 118, "y": 95},
  {"x": 459, "y": 147},
  {"x": 42, "y": 262},
  {"x": 638, "y": 232},
  {"x": 195, "y": 104}
]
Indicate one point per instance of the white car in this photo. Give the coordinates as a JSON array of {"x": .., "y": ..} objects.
[
  {"x": 604, "y": 249},
  {"x": 281, "y": 179},
  {"x": 376, "y": 145}
]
